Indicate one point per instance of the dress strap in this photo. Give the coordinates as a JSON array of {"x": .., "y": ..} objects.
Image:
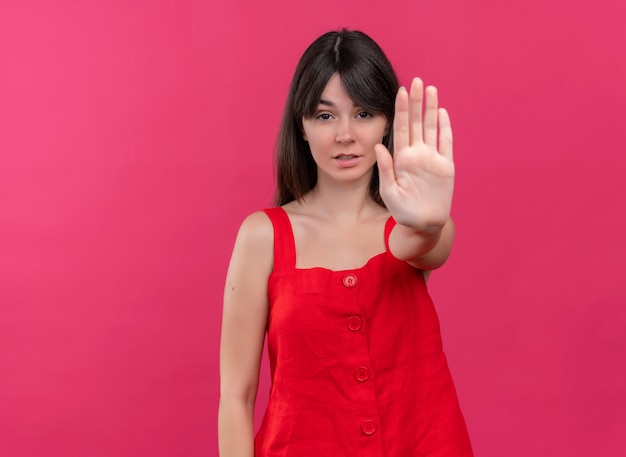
[
  {"x": 389, "y": 225},
  {"x": 284, "y": 243}
]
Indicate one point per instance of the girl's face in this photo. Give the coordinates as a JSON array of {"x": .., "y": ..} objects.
[{"x": 342, "y": 135}]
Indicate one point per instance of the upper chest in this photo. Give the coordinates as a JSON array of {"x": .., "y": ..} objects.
[{"x": 336, "y": 246}]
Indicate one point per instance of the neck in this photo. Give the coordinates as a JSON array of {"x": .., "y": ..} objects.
[{"x": 341, "y": 201}]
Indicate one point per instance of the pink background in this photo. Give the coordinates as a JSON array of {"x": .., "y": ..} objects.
[{"x": 136, "y": 135}]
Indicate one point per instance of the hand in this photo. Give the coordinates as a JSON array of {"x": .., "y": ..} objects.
[{"x": 417, "y": 182}]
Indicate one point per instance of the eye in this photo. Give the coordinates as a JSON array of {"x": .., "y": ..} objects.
[
  {"x": 364, "y": 115},
  {"x": 324, "y": 116}
]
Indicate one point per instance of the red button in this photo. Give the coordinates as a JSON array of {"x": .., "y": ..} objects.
[
  {"x": 368, "y": 427},
  {"x": 362, "y": 374},
  {"x": 354, "y": 323},
  {"x": 349, "y": 281}
]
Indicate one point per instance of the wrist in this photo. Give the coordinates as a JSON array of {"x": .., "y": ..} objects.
[{"x": 424, "y": 230}]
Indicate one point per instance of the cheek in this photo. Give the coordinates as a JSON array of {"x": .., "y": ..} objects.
[
  {"x": 379, "y": 126},
  {"x": 318, "y": 148},
  {"x": 385, "y": 128},
  {"x": 318, "y": 138},
  {"x": 376, "y": 135},
  {"x": 308, "y": 132}
]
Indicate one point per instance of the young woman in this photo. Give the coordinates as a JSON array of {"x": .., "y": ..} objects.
[{"x": 336, "y": 273}]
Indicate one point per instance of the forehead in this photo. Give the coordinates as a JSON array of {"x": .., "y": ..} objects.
[{"x": 334, "y": 92}]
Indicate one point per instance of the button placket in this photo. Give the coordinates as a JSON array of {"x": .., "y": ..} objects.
[
  {"x": 354, "y": 323},
  {"x": 361, "y": 374}
]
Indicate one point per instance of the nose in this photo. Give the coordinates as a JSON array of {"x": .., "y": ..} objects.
[{"x": 344, "y": 131}]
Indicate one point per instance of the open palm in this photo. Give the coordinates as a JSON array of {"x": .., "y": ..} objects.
[{"x": 417, "y": 182}]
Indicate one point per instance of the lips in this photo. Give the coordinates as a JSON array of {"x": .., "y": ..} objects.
[{"x": 347, "y": 160}]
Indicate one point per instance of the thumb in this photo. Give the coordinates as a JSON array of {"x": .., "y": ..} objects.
[{"x": 384, "y": 159}]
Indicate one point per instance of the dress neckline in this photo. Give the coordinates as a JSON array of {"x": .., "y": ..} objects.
[
  {"x": 389, "y": 224},
  {"x": 347, "y": 270}
]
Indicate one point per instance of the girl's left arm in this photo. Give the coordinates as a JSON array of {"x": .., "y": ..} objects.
[
  {"x": 405, "y": 244},
  {"x": 417, "y": 182}
]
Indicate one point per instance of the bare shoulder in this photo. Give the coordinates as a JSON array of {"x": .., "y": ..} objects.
[
  {"x": 255, "y": 243},
  {"x": 257, "y": 228}
]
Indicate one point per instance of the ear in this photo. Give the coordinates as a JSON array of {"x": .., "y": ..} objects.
[{"x": 301, "y": 126}]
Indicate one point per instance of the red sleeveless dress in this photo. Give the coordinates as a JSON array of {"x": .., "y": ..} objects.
[{"x": 356, "y": 361}]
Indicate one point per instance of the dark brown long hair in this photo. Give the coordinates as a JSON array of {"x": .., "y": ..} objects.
[{"x": 369, "y": 80}]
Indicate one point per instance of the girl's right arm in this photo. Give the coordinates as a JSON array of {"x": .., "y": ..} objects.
[{"x": 244, "y": 321}]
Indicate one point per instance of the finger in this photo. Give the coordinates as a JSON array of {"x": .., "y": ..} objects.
[
  {"x": 445, "y": 134},
  {"x": 430, "y": 117},
  {"x": 401, "y": 121},
  {"x": 415, "y": 100},
  {"x": 386, "y": 174}
]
